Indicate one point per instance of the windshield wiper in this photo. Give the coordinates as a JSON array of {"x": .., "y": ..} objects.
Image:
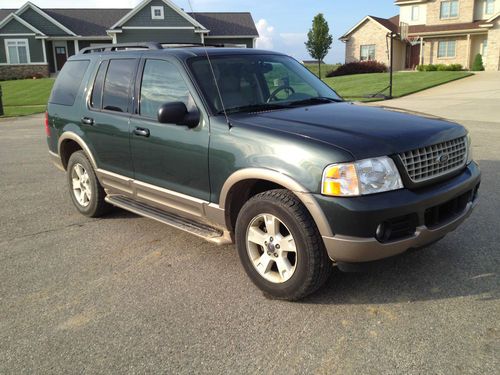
[
  {"x": 254, "y": 108},
  {"x": 314, "y": 100}
]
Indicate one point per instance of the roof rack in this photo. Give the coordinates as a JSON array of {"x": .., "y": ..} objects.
[
  {"x": 151, "y": 46},
  {"x": 120, "y": 46}
]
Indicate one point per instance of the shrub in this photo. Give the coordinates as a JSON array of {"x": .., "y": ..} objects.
[
  {"x": 439, "y": 68},
  {"x": 477, "y": 65},
  {"x": 361, "y": 67}
]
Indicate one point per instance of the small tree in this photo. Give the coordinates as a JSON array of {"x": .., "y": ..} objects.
[
  {"x": 319, "y": 40},
  {"x": 477, "y": 65}
]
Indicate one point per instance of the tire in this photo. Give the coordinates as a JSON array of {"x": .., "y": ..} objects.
[
  {"x": 296, "y": 273},
  {"x": 85, "y": 190}
]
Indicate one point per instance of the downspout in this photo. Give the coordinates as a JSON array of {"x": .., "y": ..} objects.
[
  {"x": 421, "y": 50},
  {"x": 469, "y": 42}
]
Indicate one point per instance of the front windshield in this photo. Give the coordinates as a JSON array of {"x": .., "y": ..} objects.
[{"x": 258, "y": 82}]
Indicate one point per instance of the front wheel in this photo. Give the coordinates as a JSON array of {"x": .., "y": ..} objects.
[{"x": 280, "y": 247}]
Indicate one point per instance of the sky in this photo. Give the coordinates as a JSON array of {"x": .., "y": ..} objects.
[{"x": 282, "y": 24}]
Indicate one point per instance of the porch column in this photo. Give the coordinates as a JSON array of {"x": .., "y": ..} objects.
[
  {"x": 44, "y": 49},
  {"x": 77, "y": 47},
  {"x": 421, "y": 50},
  {"x": 469, "y": 47}
]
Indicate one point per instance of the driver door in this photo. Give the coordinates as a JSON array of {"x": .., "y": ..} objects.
[{"x": 168, "y": 156}]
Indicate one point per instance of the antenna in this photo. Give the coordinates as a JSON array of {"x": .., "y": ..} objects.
[{"x": 211, "y": 70}]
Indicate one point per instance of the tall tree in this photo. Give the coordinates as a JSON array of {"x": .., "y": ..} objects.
[{"x": 319, "y": 40}]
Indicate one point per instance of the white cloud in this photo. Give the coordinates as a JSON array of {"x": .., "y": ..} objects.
[
  {"x": 293, "y": 39},
  {"x": 266, "y": 34}
]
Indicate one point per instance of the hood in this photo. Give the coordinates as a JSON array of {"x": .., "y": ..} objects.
[{"x": 361, "y": 130}]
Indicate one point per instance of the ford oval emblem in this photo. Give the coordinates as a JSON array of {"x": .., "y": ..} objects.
[{"x": 442, "y": 158}]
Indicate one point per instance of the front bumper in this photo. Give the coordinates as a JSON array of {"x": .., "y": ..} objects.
[{"x": 354, "y": 220}]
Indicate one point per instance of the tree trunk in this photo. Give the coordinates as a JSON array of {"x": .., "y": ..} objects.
[{"x": 319, "y": 68}]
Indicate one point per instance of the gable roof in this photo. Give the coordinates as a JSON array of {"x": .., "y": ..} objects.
[
  {"x": 13, "y": 16},
  {"x": 227, "y": 23},
  {"x": 32, "y": 6},
  {"x": 95, "y": 21},
  {"x": 390, "y": 24},
  {"x": 169, "y": 3}
]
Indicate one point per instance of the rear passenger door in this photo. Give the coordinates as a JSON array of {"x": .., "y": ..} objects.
[
  {"x": 170, "y": 156},
  {"x": 107, "y": 117}
]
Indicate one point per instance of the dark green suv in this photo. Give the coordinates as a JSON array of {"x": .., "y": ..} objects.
[{"x": 248, "y": 146}]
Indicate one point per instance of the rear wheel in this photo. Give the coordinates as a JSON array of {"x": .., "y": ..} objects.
[
  {"x": 86, "y": 192},
  {"x": 280, "y": 247}
]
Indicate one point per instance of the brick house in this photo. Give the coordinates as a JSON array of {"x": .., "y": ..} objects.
[
  {"x": 439, "y": 32},
  {"x": 39, "y": 41}
]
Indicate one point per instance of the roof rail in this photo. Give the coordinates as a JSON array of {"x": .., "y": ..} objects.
[{"x": 119, "y": 46}]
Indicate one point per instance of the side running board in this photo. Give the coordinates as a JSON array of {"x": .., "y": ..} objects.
[{"x": 204, "y": 231}]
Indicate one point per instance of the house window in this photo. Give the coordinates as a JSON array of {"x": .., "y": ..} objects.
[
  {"x": 415, "y": 13},
  {"x": 447, "y": 48},
  {"x": 17, "y": 51},
  {"x": 489, "y": 7},
  {"x": 484, "y": 48},
  {"x": 449, "y": 9},
  {"x": 367, "y": 52},
  {"x": 157, "y": 13}
]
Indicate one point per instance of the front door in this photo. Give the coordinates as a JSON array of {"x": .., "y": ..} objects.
[
  {"x": 61, "y": 57},
  {"x": 169, "y": 156},
  {"x": 412, "y": 56}
]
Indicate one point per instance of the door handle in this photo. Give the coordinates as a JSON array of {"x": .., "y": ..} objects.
[
  {"x": 141, "y": 132},
  {"x": 87, "y": 121}
]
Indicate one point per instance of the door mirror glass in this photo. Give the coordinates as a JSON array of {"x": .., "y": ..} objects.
[{"x": 177, "y": 113}]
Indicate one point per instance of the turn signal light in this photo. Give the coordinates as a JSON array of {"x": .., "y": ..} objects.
[{"x": 47, "y": 127}]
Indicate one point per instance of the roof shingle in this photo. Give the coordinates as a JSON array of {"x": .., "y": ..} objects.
[{"x": 95, "y": 22}]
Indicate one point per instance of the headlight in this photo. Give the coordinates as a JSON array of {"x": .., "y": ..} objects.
[
  {"x": 469, "y": 149},
  {"x": 361, "y": 177}
]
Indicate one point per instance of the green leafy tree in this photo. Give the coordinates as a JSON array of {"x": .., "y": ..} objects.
[
  {"x": 319, "y": 40},
  {"x": 477, "y": 65}
]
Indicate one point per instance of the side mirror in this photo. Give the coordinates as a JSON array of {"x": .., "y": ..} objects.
[{"x": 177, "y": 113}]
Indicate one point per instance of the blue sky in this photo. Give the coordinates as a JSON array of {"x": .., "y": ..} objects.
[{"x": 283, "y": 24}]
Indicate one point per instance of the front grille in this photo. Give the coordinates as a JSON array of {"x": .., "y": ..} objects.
[{"x": 425, "y": 163}]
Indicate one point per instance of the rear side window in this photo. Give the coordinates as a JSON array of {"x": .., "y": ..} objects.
[
  {"x": 96, "y": 98},
  {"x": 116, "y": 92},
  {"x": 68, "y": 82}
]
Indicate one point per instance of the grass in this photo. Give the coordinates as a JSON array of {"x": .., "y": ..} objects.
[
  {"x": 28, "y": 96},
  {"x": 25, "y": 96},
  {"x": 325, "y": 68},
  {"x": 357, "y": 87}
]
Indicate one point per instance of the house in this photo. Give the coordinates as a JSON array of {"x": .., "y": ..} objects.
[
  {"x": 35, "y": 41},
  {"x": 434, "y": 31}
]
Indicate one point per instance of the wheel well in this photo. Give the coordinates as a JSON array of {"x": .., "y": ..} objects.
[
  {"x": 68, "y": 147},
  {"x": 240, "y": 193}
]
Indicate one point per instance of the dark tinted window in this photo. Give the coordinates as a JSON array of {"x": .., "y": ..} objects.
[
  {"x": 117, "y": 84},
  {"x": 68, "y": 82},
  {"x": 96, "y": 99},
  {"x": 161, "y": 83}
]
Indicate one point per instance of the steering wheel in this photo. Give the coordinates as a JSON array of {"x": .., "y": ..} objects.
[{"x": 273, "y": 97}]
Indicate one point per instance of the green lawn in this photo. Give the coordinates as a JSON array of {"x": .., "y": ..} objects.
[
  {"x": 359, "y": 86},
  {"x": 25, "y": 96},
  {"x": 325, "y": 68},
  {"x": 28, "y": 96}
]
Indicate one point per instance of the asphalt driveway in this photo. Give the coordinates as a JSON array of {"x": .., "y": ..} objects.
[{"x": 124, "y": 294}]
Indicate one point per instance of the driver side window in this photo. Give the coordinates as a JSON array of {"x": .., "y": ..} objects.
[
  {"x": 161, "y": 83},
  {"x": 284, "y": 82}
]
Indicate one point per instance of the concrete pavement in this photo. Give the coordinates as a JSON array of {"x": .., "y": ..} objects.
[{"x": 124, "y": 294}]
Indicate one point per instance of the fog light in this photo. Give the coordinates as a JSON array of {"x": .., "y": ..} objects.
[{"x": 383, "y": 232}]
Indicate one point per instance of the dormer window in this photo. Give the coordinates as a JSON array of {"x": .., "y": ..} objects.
[{"x": 157, "y": 13}]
